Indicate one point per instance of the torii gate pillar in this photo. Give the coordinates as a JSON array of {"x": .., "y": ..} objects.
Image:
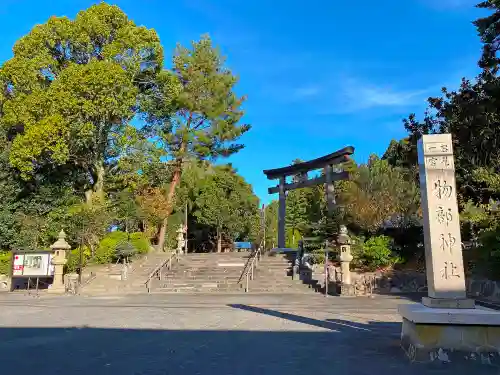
[{"x": 281, "y": 213}]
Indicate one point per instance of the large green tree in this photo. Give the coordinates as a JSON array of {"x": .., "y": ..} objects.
[
  {"x": 489, "y": 31},
  {"x": 69, "y": 91},
  {"x": 226, "y": 202},
  {"x": 378, "y": 192},
  {"x": 271, "y": 224},
  {"x": 207, "y": 112},
  {"x": 471, "y": 114}
]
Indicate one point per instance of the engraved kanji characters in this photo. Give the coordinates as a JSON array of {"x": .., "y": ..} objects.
[
  {"x": 442, "y": 189},
  {"x": 444, "y": 215},
  {"x": 447, "y": 241},
  {"x": 449, "y": 271}
]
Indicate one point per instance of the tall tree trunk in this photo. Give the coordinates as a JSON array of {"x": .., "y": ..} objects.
[
  {"x": 88, "y": 196},
  {"x": 99, "y": 183},
  {"x": 98, "y": 186},
  {"x": 170, "y": 204},
  {"x": 219, "y": 241}
]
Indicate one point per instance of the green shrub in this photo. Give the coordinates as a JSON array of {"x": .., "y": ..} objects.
[
  {"x": 5, "y": 260},
  {"x": 106, "y": 252},
  {"x": 140, "y": 241},
  {"x": 317, "y": 256},
  {"x": 293, "y": 237},
  {"x": 74, "y": 259},
  {"x": 125, "y": 250},
  {"x": 376, "y": 253},
  {"x": 357, "y": 243}
]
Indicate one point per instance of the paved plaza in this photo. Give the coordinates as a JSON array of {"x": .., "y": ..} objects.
[{"x": 205, "y": 334}]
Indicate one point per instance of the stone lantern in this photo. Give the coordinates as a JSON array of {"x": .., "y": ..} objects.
[
  {"x": 345, "y": 258},
  {"x": 58, "y": 261},
  {"x": 180, "y": 239}
]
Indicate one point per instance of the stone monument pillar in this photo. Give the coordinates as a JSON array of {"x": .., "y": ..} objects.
[
  {"x": 59, "y": 260},
  {"x": 345, "y": 257},
  {"x": 446, "y": 326},
  {"x": 443, "y": 244}
]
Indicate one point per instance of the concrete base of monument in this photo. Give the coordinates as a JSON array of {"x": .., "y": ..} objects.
[
  {"x": 448, "y": 303},
  {"x": 450, "y": 335},
  {"x": 347, "y": 290}
]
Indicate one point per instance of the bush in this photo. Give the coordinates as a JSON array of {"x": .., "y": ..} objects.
[
  {"x": 106, "y": 252},
  {"x": 376, "y": 253},
  {"x": 317, "y": 256},
  {"x": 140, "y": 241},
  {"x": 487, "y": 256},
  {"x": 125, "y": 250},
  {"x": 74, "y": 259},
  {"x": 5, "y": 259},
  {"x": 117, "y": 243}
]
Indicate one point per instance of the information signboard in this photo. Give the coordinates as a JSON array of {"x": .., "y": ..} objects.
[{"x": 32, "y": 264}]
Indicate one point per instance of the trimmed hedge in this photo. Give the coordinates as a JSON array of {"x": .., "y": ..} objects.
[
  {"x": 140, "y": 241},
  {"x": 5, "y": 259},
  {"x": 107, "y": 250}
]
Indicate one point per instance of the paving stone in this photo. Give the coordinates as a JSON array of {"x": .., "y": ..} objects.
[{"x": 205, "y": 334}]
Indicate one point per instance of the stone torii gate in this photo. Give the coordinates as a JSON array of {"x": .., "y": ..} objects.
[{"x": 300, "y": 169}]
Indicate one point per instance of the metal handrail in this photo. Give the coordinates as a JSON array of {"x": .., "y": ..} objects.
[
  {"x": 247, "y": 264},
  {"x": 248, "y": 270},
  {"x": 157, "y": 272}
]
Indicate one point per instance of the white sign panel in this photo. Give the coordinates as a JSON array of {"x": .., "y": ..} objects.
[
  {"x": 32, "y": 264},
  {"x": 18, "y": 265}
]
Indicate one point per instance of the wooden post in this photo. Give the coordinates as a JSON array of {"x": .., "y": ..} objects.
[{"x": 281, "y": 213}]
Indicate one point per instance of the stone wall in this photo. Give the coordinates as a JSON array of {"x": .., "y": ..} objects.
[
  {"x": 4, "y": 282},
  {"x": 389, "y": 282},
  {"x": 395, "y": 282},
  {"x": 483, "y": 289}
]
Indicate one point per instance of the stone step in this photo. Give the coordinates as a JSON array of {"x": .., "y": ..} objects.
[
  {"x": 196, "y": 289},
  {"x": 190, "y": 281},
  {"x": 202, "y": 276},
  {"x": 232, "y": 291},
  {"x": 213, "y": 258},
  {"x": 205, "y": 269},
  {"x": 285, "y": 265},
  {"x": 297, "y": 284},
  {"x": 211, "y": 276}
]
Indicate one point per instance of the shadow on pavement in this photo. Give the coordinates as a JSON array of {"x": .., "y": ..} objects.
[
  {"x": 332, "y": 346},
  {"x": 368, "y": 348}
]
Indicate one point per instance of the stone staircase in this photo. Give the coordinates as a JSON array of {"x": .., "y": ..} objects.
[
  {"x": 108, "y": 280},
  {"x": 203, "y": 273},
  {"x": 220, "y": 272},
  {"x": 274, "y": 275}
]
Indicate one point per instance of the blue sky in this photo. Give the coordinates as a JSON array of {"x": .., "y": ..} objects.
[{"x": 319, "y": 75}]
